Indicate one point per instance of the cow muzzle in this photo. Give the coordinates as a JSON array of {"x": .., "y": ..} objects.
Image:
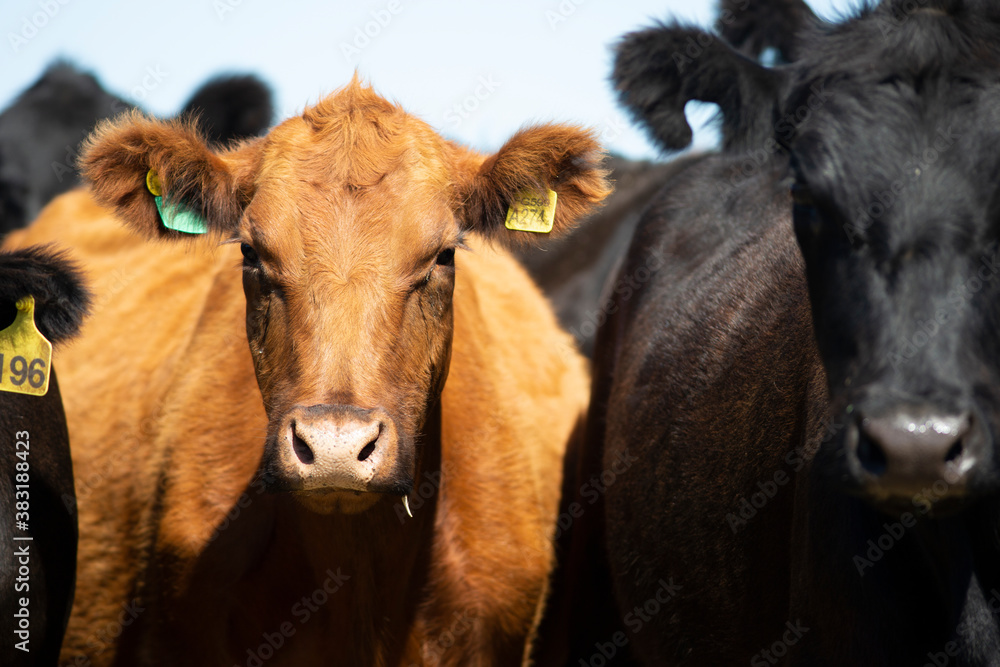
[
  {"x": 901, "y": 453},
  {"x": 323, "y": 449}
]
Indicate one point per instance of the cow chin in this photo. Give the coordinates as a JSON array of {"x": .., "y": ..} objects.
[{"x": 337, "y": 502}]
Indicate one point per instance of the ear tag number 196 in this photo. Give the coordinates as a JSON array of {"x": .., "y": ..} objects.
[{"x": 25, "y": 355}]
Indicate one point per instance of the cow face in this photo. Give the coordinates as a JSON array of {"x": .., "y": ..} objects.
[
  {"x": 349, "y": 218},
  {"x": 887, "y": 128},
  {"x": 895, "y": 209}
]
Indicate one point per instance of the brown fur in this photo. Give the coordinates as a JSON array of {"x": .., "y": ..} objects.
[{"x": 347, "y": 206}]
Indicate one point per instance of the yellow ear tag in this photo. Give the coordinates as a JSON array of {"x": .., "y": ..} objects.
[
  {"x": 531, "y": 211},
  {"x": 25, "y": 355},
  {"x": 173, "y": 216}
]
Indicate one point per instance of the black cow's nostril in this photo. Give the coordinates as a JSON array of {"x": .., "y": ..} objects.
[
  {"x": 871, "y": 456},
  {"x": 301, "y": 449},
  {"x": 955, "y": 452}
]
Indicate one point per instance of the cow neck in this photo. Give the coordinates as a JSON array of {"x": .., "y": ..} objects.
[{"x": 378, "y": 561}]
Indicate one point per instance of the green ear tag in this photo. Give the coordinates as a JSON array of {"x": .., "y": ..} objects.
[
  {"x": 25, "y": 355},
  {"x": 174, "y": 216},
  {"x": 532, "y": 212}
]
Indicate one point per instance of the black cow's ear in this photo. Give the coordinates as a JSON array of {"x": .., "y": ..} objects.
[
  {"x": 752, "y": 26},
  {"x": 231, "y": 107},
  {"x": 659, "y": 70},
  {"x": 61, "y": 296}
]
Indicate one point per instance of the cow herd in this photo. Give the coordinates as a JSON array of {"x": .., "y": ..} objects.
[{"x": 324, "y": 395}]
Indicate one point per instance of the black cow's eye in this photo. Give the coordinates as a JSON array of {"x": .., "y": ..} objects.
[
  {"x": 249, "y": 254},
  {"x": 447, "y": 257},
  {"x": 802, "y": 195}
]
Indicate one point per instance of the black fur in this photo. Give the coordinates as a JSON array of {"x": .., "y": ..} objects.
[
  {"x": 752, "y": 26},
  {"x": 41, "y": 132},
  {"x": 61, "y": 299},
  {"x": 659, "y": 70},
  {"x": 776, "y": 332},
  {"x": 231, "y": 107}
]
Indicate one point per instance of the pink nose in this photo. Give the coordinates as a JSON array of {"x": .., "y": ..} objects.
[{"x": 336, "y": 447}]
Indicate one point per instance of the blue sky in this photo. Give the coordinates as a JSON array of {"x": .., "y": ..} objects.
[{"x": 475, "y": 70}]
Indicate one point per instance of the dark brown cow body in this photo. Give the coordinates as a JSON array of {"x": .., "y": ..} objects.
[
  {"x": 251, "y": 505},
  {"x": 811, "y": 378},
  {"x": 573, "y": 270},
  {"x": 37, "y": 564}
]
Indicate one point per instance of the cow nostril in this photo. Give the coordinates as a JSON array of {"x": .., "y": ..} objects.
[
  {"x": 302, "y": 450},
  {"x": 871, "y": 456},
  {"x": 954, "y": 452},
  {"x": 367, "y": 450}
]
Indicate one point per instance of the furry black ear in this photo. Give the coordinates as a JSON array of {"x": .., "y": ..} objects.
[
  {"x": 752, "y": 26},
  {"x": 61, "y": 298},
  {"x": 659, "y": 70},
  {"x": 231, "y": 107}
]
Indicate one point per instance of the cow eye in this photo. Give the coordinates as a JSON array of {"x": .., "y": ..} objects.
[
  {"x": 250, "y": 256},
  {"x": 447, "y": 257},
  {"x": 802, "y": 195}
]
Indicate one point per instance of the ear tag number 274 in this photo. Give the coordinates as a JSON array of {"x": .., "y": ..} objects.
[{"x": 25, "y": 355}]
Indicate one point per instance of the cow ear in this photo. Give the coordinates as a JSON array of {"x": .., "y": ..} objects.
[
  {"x": 118, "y": 157},
  {"x": 659, "y": 70},
  {"x": 231, "y": 107},
  {"x": 56, "y": 283},
  {"x": 564, "y": 159},
  {"x": 752, "y": 26}
]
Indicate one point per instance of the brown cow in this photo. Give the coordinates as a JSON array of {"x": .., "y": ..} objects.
[{"x": 357, "y": 307}]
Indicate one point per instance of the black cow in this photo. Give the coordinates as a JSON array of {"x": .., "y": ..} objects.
[
  {"x": 810, "y": 380},
  {"x": 572, "y": 269},
  {"x": 38, "y": 528},
  {"x": 41, "y": 131}
]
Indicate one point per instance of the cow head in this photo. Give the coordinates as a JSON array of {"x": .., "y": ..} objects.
[
  {"x": 349, "y": 218},
  {"x": 885, "y": 129}
]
